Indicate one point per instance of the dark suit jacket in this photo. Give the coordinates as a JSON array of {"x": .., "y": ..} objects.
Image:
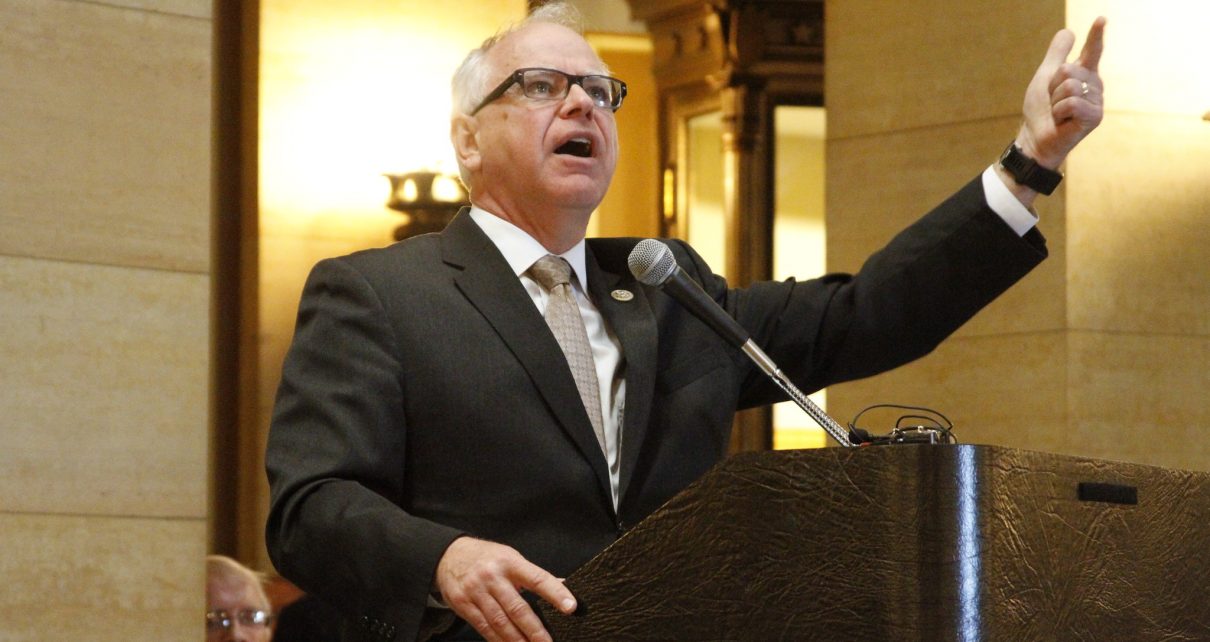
[{"x": 424, "y": 396}]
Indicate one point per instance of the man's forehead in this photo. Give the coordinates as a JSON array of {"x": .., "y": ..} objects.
[
  {"x": 233, "y": 593},
  {"x": 545, "y": 45}
]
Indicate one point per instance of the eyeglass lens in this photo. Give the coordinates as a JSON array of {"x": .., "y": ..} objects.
[
  {"x": 222, "y": 620},
  {"x": 551, "y": 84}
]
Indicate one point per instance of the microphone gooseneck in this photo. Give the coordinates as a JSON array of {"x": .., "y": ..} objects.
[{"x": 652, "y": 263}]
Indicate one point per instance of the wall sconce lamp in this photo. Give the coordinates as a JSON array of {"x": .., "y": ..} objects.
[{"x": 427, "y": 200}]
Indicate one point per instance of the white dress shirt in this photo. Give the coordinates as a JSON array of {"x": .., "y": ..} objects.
[{"x": 1002, "y": 202}]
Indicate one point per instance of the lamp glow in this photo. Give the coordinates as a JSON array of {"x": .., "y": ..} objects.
[{"x": 427, "y": 199}]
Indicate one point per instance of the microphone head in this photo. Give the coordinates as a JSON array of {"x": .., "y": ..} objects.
[{"x": 651, "y": 262}]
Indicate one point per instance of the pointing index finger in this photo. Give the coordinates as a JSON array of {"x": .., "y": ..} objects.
[{"x": 1090, "y": 55}]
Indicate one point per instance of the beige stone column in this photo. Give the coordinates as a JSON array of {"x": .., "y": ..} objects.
[
  {"x": 1103, "y": 350},
  {"x": 104, "y": 318}
]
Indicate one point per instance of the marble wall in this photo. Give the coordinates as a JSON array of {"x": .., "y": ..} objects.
[{"x": 104, "y": 302}]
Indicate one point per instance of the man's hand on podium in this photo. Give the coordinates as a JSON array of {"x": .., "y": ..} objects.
[{"x": 481, "y": 582}]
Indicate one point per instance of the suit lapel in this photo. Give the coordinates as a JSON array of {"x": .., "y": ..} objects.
[
  {"x": 488, "y": 282},
  {"x": 634, "y": 325}
]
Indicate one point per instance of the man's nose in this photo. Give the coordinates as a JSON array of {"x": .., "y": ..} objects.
[
  {"x": 239, "y": 633},
  {"x": 577, "y": 102}
]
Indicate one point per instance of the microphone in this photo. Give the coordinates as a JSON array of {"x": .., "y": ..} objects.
[{"x": 652, "y": 263}]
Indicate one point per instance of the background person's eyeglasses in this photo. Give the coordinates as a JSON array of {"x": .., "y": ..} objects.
[
  {"x": 551, "y": 84},
  {"x": 224, "y": 620}
]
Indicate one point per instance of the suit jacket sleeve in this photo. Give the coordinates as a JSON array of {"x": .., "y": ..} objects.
[
  {"x": 921, "y": 287},
  {"x": 336, "y": 467}
]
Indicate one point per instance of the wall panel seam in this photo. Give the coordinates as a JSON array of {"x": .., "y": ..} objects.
[{"x": 158, "y": 12}]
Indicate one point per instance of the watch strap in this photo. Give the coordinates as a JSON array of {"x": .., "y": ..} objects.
[{"x": 1026, "y": 171}]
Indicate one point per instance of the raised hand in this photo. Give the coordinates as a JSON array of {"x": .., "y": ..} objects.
[
  {"x": 481, "y": 580},
  {"x": 1065, "y": 100}
]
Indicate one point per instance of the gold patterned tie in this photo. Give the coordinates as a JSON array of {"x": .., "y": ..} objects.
[{"x": 563, "y": 316}]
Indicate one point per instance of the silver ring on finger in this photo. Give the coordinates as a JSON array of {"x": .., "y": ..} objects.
[{"x": 1083, "y": 88}]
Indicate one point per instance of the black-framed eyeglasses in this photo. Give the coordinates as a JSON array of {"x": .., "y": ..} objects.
[
  {"x": 551, "y": 84},
  {"x": 223, "y": 620}
]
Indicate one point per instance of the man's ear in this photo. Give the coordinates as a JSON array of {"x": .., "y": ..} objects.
[{"x": 464, "y": 134}]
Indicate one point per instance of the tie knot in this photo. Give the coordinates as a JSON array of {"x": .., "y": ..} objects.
[{"x": 551, "y": 271}]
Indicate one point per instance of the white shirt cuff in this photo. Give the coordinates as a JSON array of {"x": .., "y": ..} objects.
[{"x": 1002, "y": 202}]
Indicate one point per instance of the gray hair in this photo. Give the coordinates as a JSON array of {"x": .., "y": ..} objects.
[
  {"x": 471, "y": 80},
  {"x": 224, "y": 571}
]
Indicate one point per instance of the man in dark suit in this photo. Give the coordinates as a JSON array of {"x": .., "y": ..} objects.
[{"x": 432, "y": 451}]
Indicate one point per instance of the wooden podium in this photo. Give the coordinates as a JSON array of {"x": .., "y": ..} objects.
[{"x": 918, "y": 542}]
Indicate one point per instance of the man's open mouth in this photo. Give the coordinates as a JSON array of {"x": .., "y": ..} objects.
[{"x": 581, "y": 147}]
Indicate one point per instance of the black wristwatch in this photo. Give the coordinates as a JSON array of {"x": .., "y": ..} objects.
[{"x": 1026, "y": 171}]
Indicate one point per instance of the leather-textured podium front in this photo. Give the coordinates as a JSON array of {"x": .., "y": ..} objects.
[{"x": 909, "y": 543}]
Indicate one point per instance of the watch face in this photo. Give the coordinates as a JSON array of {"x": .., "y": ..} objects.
[
  {"x": 1007, "y": 153},
  {"x": 1013, "y": 160}
]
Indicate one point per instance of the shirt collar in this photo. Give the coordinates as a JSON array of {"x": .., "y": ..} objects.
[{"x": 520, "y": 249}]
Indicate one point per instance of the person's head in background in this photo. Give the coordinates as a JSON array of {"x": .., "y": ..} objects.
[{"x": 237, "y": 608}]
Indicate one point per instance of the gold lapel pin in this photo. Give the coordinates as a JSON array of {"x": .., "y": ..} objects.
[{"x": 622, "y": 295}]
